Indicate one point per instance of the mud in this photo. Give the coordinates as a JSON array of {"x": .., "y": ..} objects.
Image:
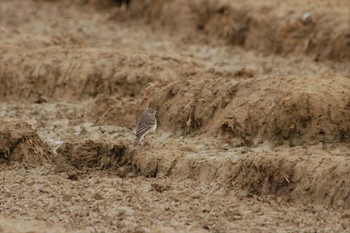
[
  {"x": 293, "y": 111},
  {"x": 318, "y": 29},
  {"x": 19, "y": 143},
  {"x": 253, "y": 105}
]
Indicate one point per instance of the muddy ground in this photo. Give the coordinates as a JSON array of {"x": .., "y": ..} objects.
[{"x": 253, "y": 103}]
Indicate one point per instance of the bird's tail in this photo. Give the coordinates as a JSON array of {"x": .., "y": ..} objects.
[{"x": 137, "y": 140}]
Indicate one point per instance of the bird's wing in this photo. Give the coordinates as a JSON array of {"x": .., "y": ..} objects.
[{"x": 147, "y": 124}]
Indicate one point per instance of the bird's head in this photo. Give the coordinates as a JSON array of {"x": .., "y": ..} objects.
[{"x": 151, "y": 111}]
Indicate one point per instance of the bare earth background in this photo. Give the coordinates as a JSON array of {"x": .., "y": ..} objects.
[{"x": 253, "y": 102}]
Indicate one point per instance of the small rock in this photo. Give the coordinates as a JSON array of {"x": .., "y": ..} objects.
[
  {"x": 345, "y": 215},
  {"x": 306, "y": 18},
  {"x": 66, "y": 197},
  {"x": 44, "y": 190},
  {"x": 97, "y": 196},
  {"x": 159, "y": 188},
  {"x": 73, "y": 176}
]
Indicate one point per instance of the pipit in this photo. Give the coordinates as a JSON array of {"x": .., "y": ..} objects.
[{"x": 146, "y": 124}]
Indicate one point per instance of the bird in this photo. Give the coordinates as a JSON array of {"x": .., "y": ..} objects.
[{"x": 146, "y": 124}]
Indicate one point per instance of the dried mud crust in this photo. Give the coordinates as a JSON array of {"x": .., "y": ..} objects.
[
  {"x": 81, "y": 79},
  {"x": 20, "y": 143},
  {"x": 295, "y": 176},
  {"x": 290, "y": 109},
  {"x": 291, "y": 175},
  {"x": 107, "y": 203},
  {"x": 112, "y": 110},
  {"x": 84, "y": 73},
  {"x": 321, "y": 33},
  {"x": 19, "y": 226},
  {"x": 100, "y": 155}
]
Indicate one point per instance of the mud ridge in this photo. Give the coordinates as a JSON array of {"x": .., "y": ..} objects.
[
  {"x": 89, "y": 155},
  {"x": 291, "y": 177},
  {"x": 283, "y": 111},
  {"x": 19, "y": 143},
  {"x": 252, "y": 26},
  {"x": 79, "y": 74},
  {"x": 294, "y": 177}
]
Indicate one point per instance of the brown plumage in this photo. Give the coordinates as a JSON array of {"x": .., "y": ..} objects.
[{"x": 147, "y": 123}]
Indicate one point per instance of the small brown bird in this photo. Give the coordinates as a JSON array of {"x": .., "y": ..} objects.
[{"x": 146, "y": 124}]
